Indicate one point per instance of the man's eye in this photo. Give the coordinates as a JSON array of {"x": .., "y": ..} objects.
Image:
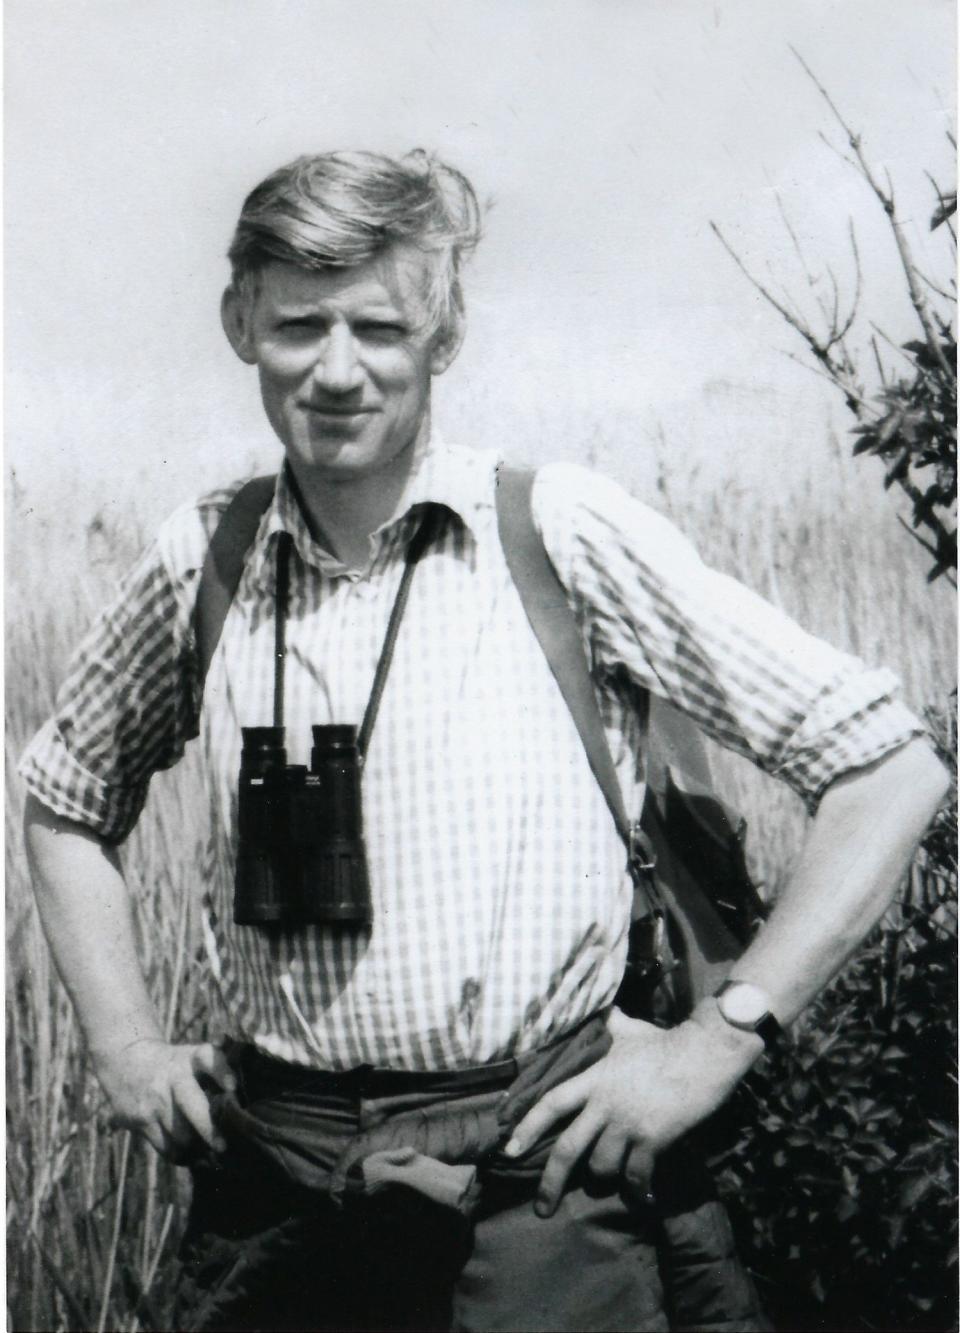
[{"x": 380, "y": 329}]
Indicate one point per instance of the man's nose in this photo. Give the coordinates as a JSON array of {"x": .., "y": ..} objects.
[{"x": 337, "y": 369}]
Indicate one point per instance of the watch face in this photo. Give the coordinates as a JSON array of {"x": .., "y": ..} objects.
[{"x": 743, "y": 1004}]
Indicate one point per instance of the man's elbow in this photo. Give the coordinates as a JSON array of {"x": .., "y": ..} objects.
[
  {"x": 917, "y": 777},
  {"x": 933, "y": 779},
  {"x": 910, "y": 780}
]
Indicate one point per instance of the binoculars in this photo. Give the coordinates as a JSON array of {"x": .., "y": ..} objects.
[{"x": 300, "y": 855}]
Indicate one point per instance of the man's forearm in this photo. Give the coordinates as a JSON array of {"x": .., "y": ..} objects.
[
  {"x": 157, "y": 1089},
  {"x": 85, "y": 910},
  {"x": 855, "y": 855},
  {"x": 654, "y": 1085}
]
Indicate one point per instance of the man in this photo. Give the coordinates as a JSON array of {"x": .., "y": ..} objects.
[{"x": 471, "y": 1023}]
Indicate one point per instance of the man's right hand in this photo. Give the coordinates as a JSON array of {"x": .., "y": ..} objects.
[{"x": 157, "y": 1090}]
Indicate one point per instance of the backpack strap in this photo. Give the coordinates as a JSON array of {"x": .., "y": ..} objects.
[
  {"x": 690, "y": 845},
  {"x": 223, "y": 564},
  {"x": 545, "y": 602}
]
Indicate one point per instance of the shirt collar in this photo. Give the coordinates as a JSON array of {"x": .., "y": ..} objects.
[{"x": 459, "y": 479}]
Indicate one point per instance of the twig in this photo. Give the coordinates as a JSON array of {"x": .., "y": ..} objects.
[
  {"x": 947, "y": 296},
  {"x": 892, "y": 345},
  {"x": 835, "y": 293},
  {"x": 947, "y": 204},
  {"x": 876, "y": 356},
  {"x": 917, "y": 298},
  {"x": 812, "y": 282},
  {"x": 855, "y": 399},
  {"x": 834, "y": 149},
  {"x": 819, "y": 351},
  {"x": 858, "y": 287}
]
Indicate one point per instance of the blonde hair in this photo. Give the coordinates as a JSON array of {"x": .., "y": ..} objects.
[{"x": 337, "y": 210}]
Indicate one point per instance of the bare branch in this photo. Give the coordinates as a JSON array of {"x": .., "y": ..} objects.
[
  {"x": 876, "y": 356},
  {"x": 917, "y": 297},
  {"x": 812, "y": 281},
  {"x": 786, "y": 296},
  {"x": 834, "y": 149},
  {"x": 796, "y": 323},
  {"x": 835, "y": 294},
  {"x": 826, "y": 97},
  {"x": 946, "y": 204},
  {"x": 853, "y": 396},
  {"x": 890, "y": 193},
  {"x": 855, "y": 303},
  {"x": 790, "y": 305},
  {"x": 947, "y": 296},
  {"x": 892, "y": 345},
  {"x": 785, "y": 219}
]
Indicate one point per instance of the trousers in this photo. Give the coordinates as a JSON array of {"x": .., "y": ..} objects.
[{"x": 285, "y": 1233}]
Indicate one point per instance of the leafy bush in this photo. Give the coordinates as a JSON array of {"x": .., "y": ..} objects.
[
  {"x": 917, "y": 438},
  {"x": 842, "y": 1176}
]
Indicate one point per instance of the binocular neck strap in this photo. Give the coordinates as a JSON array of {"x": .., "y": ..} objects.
[
  {"x": 284, "y": 542},
  {"x": 418, "y": 544}
]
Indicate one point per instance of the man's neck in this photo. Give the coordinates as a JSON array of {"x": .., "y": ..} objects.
[{"x": 342, "y": 512}]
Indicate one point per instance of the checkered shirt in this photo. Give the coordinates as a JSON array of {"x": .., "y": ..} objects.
[{"x": 500, "y": 896}]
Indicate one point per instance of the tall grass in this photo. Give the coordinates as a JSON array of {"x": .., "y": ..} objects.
[{"x": 93, "y": 1216}]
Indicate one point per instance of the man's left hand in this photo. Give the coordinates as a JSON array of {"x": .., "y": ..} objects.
[{"x": 651, "y": 1087}]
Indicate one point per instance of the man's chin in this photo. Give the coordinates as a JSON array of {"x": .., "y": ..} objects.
[{"x": 334, "y": 458}]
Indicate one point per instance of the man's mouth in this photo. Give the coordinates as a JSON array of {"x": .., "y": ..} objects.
[{"x": 330, "y": 410}]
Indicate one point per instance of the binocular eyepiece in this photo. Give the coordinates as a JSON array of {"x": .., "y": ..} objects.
[{"x": 300, "y": 855}]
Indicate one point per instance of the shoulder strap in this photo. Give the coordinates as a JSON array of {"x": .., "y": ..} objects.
[
  {"x": 223, "y": 564},
  {"x": 545, "y": 602},
  {"x": 697, "y": 843},
  {"x": 674, "y": 746}
]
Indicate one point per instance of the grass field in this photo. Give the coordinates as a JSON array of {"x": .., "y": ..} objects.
[{"x": 93, "y": 1217}]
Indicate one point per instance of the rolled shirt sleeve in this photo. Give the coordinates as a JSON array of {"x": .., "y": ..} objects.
[
  {"x": 747, "y": 674},
  {"x": 127, "y": 707}
]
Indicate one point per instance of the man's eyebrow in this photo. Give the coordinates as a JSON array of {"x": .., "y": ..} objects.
[{"x": 317, "y": 310}]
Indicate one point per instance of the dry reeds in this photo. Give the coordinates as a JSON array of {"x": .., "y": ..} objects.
[{"x": 93, "y": 1217}]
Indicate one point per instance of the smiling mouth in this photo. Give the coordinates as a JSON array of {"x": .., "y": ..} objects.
[{"x": 324, "y": 411}]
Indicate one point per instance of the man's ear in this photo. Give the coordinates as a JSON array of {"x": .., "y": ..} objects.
[
  {"x": 448, "y": 341},
  {"x": 235, "y": 316}
]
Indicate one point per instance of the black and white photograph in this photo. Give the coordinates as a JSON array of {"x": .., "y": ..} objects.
[{"x": 481, "y": 667}]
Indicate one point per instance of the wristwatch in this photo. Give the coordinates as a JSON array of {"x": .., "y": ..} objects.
[{"x": 747, "y": 1007}]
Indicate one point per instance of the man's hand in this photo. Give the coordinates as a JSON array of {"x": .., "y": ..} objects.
[
  {"x": 157, "y": 1090},
  {"x": 651, "y": 1087}
]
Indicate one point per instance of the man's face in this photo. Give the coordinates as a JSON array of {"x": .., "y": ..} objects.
[{"x": 345, "y": 359}]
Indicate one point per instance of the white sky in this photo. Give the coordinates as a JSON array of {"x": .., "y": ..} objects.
[{"x": 608, "y": 133}]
